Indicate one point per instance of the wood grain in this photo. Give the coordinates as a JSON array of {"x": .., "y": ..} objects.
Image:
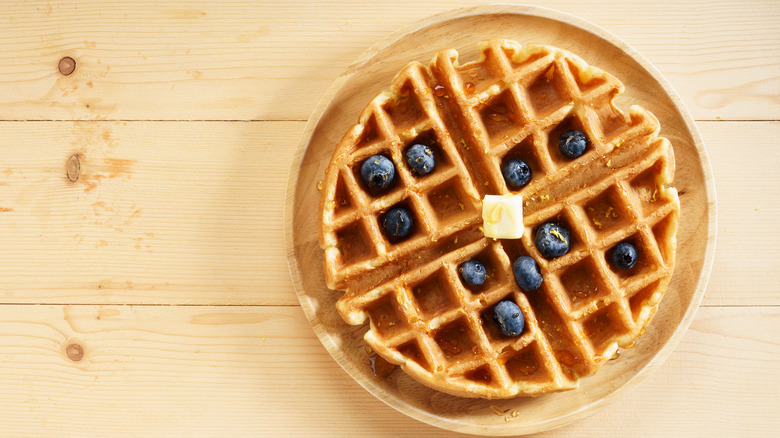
[
  {"x": 745, "y": 271},
  {"x": 160, "y": 213},
  {"x": 244, "y": 371},
  {"x": 264, "y": 60},
  {"x": 212, "y": 195}
]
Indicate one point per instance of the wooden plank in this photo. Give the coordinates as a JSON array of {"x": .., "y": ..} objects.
[
  {"x": 248, "y": 371},
  {"x": 161, "y": 212},
  {"x": 267, "y": 60},
  {"x": 192, "y": 213},
  {"x": 747, "y": 257}
]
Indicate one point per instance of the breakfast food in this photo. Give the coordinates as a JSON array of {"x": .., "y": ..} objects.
[{"x": 401, "y": 222}]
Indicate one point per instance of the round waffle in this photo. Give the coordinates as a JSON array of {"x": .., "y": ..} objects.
[{"x": 514, "y": 102}]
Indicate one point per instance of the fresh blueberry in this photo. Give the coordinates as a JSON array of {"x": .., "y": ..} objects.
[
  {"x": 377, "y": 172},
  {"x": 517, "y": 173},
  {"x": 420, "y": 159},
  {"x": 623, "y": 256},
  {"x": 509, "y": 318},
  {"x": 527, "y": 274},
  {"x": 472, "y": 272},
  {"x": 573, "y": 143},
  {"x": 552, "y": 240},
  {"x": 397, "y": 223}
]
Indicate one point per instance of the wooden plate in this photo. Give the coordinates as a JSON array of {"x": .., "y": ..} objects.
[{"x": 462, "y": 30}]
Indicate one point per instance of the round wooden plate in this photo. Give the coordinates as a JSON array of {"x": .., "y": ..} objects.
[{"x": 462, "y": 30}]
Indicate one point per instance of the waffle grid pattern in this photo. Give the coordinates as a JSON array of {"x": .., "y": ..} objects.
[
  {"x": 456, "y": 199},
  {"x": 507, "y": 104}
]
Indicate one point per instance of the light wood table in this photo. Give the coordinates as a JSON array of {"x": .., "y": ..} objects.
[{"x": 143, "y": 273}]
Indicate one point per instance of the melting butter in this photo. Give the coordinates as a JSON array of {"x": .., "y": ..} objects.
[{"x": 502, "y": 216}]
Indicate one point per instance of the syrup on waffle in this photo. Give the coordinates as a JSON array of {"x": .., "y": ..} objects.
[{"x": 514, "y": 102}]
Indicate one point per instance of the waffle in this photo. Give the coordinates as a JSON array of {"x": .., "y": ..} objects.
[{"x": 514, "y": 101}]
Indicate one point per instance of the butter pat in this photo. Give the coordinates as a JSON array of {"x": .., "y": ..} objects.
[{"x": 502, "y": 216}]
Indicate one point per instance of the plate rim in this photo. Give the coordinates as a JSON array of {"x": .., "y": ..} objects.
[{"x": 537, "y": 12}]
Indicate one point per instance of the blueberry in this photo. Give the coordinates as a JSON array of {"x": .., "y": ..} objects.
[
  {"x": 623, "y": 256},
  {"x": 377, "y": 172},
  {"x": 573, "y": 143},
  {"x": 552, "y": 240},
  {"x": 517, "y": 173},
  {"x": 527, "y": 274},
  {"x": 472, "y": 272},
  {"x": 420, "y": 159},
  {"x": 397, "y": 223},
  {"x": 509, "y": 318}
]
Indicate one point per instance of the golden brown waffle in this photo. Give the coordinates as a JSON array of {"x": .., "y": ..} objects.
[{"x": 513, "y": 102}]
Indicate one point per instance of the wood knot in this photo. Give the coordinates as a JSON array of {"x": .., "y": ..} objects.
[
  {"x": 67, "y": 65},
  {"x": 73, "y": 168},
  {"x": 74, "y": 350}
]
